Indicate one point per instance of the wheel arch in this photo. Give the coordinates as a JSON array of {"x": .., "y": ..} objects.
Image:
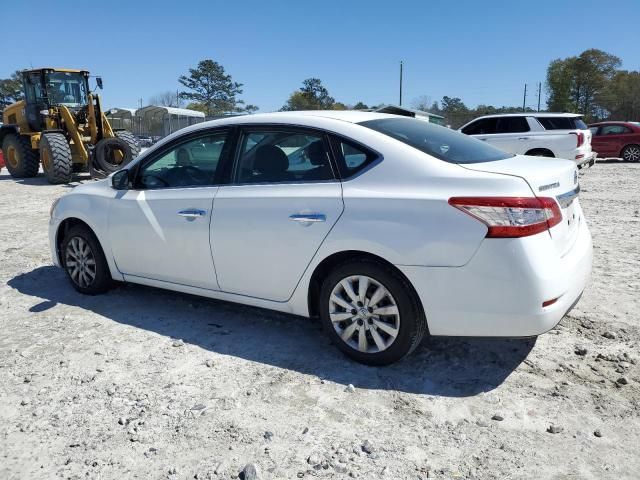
[
  {"x": 544, "y": 151},
  {"x": 71, "y": 221},
  {"x": 626, "y": 146},
  {"x": 323, "y": 268}
]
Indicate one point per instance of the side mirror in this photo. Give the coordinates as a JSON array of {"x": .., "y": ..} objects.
[
  {"x": 99, "y": 82},
  {"x": 120, "y": 180}
]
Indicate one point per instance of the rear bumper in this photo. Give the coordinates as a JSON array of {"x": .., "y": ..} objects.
[
  {"x": 587, "y": 161},
  {"x": 500, "y": 292}
]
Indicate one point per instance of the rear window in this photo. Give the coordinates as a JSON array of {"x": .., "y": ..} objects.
[
  {"x": 440, "y": 142},
  {"x": 562, "y": 123}
]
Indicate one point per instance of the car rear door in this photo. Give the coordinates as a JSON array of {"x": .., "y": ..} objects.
[
  {"x": 283, "y": 200},
  {"x": 160, "y": 228}
]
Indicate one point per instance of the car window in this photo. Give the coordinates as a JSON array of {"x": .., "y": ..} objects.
[
  {"x": 439, "y": 142},
  {"x": 512, "y": 125},
  {"x": 562, "y": 123},
  {"x": 484, "y": 126},
  {"x": 594, "y": 130},
  {"x": 189, "y": 164},
  {"x": 614, "y": 130},
  {"x": 280, "y": 156},
  {"x": 351, "y": 157}
]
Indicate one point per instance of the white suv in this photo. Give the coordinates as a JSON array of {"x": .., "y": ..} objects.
[{"x": 562, "y": 135}]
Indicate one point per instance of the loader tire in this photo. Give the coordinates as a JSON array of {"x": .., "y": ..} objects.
[
  {"x": 104, "y": 154},
  {"x": 128, "y": 137},
  {"x": 55, "y": 156},
  {"x": 20, "y": 159}
]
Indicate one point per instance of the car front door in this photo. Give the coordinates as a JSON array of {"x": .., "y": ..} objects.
[
  {"x": 283, "y": 200},
  {"x": 159, "y": 229}
]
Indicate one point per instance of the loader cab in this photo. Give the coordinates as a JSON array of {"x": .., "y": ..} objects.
[{"x": 46, "y": 88}]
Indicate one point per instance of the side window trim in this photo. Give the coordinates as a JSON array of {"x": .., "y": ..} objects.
[
  {"x": 344, "y": 174},
  {"x": 245, "y": 129},
  {"x": 182, "y": 140}
]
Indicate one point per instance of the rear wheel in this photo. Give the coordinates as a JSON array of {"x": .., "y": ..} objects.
[
  {"x": 55, "y": 155},
  {"x": 371, "y": 313},
  {"x": 84, "y": 261},
  {"x": 20, "y": 159},
  {"x": 631, "y": 153}
]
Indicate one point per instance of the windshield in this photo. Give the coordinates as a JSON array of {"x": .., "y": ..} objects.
[
  {"x": 66, "y": 88},
  {"x": 440, "y": 142}
]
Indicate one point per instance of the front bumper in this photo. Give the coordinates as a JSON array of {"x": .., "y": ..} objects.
[
  {"x": 500, "y": 292},
  {"x": 54, "y": 223}
]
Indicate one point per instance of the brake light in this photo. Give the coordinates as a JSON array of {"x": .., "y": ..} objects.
[
  {"x": 579, "y": 138},
  {"x": 511, "y": 217}
]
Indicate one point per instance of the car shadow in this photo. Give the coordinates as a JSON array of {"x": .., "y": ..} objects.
[{"x": 450, "y": 367}]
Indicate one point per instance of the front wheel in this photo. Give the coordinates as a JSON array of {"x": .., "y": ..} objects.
[
  {"x": 631, "y": 153},
  {"x": 56, "y": 159},
  {"x": 371, "y": 312},
  {"x": 84, "y": 261}
]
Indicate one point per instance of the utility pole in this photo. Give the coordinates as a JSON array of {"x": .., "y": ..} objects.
[
  {"x": 524, "y": 100},
  {"x": 539, "y": 94},
  {"x": 140, "y": 103},
  {"x": 401, "y": 64}
]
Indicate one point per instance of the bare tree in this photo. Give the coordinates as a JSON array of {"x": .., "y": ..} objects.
[
  {"x": 166, "y": 99},
  {"x": 423, "y": 102}
]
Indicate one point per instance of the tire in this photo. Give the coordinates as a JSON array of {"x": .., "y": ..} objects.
[
  {"x": 409, "y": 325},
  {"x": 96, "y": 278},
  {"x": 104, "y": 154},
  {"x": 631, "y": 153},
  {"x": 128, "y": 137},
  {"x": 55, "y": 156},
  {"x": 20, "y": 159}
]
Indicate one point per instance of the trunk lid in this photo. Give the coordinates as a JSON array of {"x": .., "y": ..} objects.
[{"x": 547, "y": 177}]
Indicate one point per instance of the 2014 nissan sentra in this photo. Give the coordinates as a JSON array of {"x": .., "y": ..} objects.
[{"x": 387, "y": 228}]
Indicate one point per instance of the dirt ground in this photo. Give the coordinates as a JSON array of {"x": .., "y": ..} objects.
[{"x": 145, "y": 383}]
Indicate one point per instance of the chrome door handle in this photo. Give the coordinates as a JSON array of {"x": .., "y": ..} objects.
[
  {"x": 308, "y": 217},
  {"x": 192, "y": 213}
]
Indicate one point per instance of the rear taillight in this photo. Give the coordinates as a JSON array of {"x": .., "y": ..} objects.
[
  {"x": 580, "y": 138},
  {"x": 510, "y": 217}
]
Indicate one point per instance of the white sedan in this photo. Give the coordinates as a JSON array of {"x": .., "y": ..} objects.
[{"x": 386, "y": 228}]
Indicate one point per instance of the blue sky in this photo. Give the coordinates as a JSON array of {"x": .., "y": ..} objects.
[{"x": 480, "y": 51}]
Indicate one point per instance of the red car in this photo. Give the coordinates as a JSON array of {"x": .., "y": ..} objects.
[
  {"x": 616, "y": 139},
  {"x": 1, "y": 160}
]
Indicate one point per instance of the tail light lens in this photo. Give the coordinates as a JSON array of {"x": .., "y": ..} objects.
[
  {"x": 511, "y": 217},
  {"x": 580, "y": 138}
]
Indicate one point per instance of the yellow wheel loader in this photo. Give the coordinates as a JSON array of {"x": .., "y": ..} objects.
[{"x": 60, "y": 124}]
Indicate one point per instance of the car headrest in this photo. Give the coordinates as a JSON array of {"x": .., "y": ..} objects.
[
  {"x": 183, "y": 158},
  {"x": 316, "y": 153},
  {"x": 270, "y": 159}
]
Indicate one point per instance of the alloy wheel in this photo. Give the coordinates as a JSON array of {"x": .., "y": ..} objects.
[
  {"x": 632, "y": 154},
  {"x": 80, "y": 262},
  {"x": 364, "y": 314}
]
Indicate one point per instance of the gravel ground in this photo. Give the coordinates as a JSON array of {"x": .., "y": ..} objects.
[{"x": 144, "y": 383}]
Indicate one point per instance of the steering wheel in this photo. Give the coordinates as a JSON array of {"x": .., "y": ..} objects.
[
  {"x": 155, "y": 178},
  {"x": 195, "y": 175}
]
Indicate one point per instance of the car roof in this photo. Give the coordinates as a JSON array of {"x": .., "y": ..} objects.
[
  {"x": 351, "y": 116},
  {"x": 614, "y": 122},
  {"x": 532, "y": 114}
]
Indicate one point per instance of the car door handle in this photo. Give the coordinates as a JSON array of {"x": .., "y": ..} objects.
[
  {"x": 192, "y": 213},
  {"x": 308, "y": 217},
  {"x": 523, "y": 138}
]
